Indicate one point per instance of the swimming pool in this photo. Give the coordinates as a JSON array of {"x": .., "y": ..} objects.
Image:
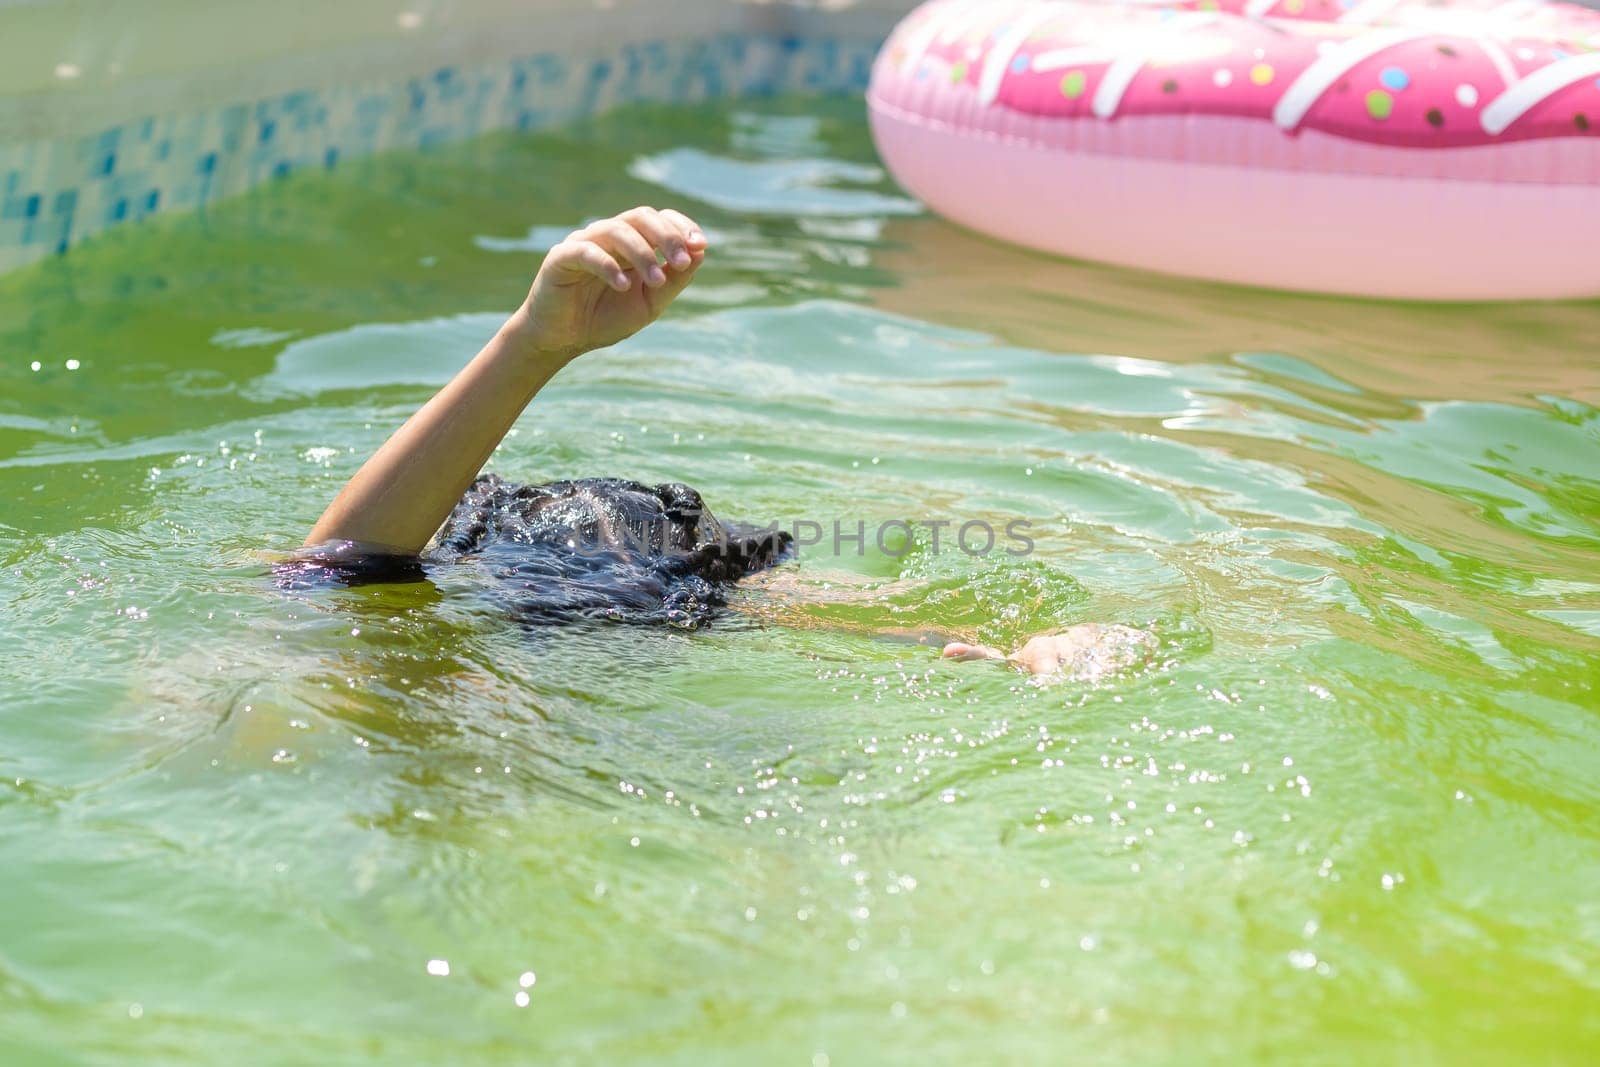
[{"x": 1352, "y": 813}]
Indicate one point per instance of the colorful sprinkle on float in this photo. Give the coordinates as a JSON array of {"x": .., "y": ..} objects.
[{"x": 1397, "y": 148}]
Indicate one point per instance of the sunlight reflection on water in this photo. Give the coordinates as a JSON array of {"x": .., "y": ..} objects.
[{"x": 1361, "y": 759}]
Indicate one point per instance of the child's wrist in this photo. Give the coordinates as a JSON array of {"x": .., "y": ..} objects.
[{"x": 534, "y": 344}]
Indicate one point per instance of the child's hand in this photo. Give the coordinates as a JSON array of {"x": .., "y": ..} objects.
[
  {"x": 603, "y": 283},
  {"x": 1086, "y": 652}
]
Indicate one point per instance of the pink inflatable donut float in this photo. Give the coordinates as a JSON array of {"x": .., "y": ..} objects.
[{"x": 1391, "y": 148}]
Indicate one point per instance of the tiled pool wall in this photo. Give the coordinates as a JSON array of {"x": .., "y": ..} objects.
[{"x": 56, "y": 191}]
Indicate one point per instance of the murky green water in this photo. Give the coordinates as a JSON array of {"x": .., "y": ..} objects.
[{"x": 1355, "y": 815}]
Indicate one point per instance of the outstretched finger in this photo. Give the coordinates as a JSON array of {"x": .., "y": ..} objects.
[
  {"x": 589, "y": 258},
  {"x": 960, "y": 650},
  {"x": 630, "y": 246}
]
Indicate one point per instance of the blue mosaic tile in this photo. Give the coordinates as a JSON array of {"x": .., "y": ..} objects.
[{"x": 54, "y": 194}]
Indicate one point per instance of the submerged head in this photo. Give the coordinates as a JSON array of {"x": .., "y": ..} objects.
[{"x": 606, "y": 548}]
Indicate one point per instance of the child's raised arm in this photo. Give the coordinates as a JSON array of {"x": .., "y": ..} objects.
[{"x": 600, "y": 285}]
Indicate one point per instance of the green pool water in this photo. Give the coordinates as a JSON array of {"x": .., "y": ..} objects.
[{"x": 1352, "y": 814}]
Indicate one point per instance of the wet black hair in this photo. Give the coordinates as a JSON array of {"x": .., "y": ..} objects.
[{"x": 596, "y": 549}]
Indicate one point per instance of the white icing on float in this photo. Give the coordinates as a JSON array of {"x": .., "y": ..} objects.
[
  {"x": 1127, "y": 66},
  {"x": 996, "y": 64},
  {"x": 1329, "y": 67},
  {"x": 1535, "y": 89}
]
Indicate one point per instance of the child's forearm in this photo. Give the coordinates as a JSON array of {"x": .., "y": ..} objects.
[
  {"x": 600, "y": 285},
  {"x": 403, "y": 493}
]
